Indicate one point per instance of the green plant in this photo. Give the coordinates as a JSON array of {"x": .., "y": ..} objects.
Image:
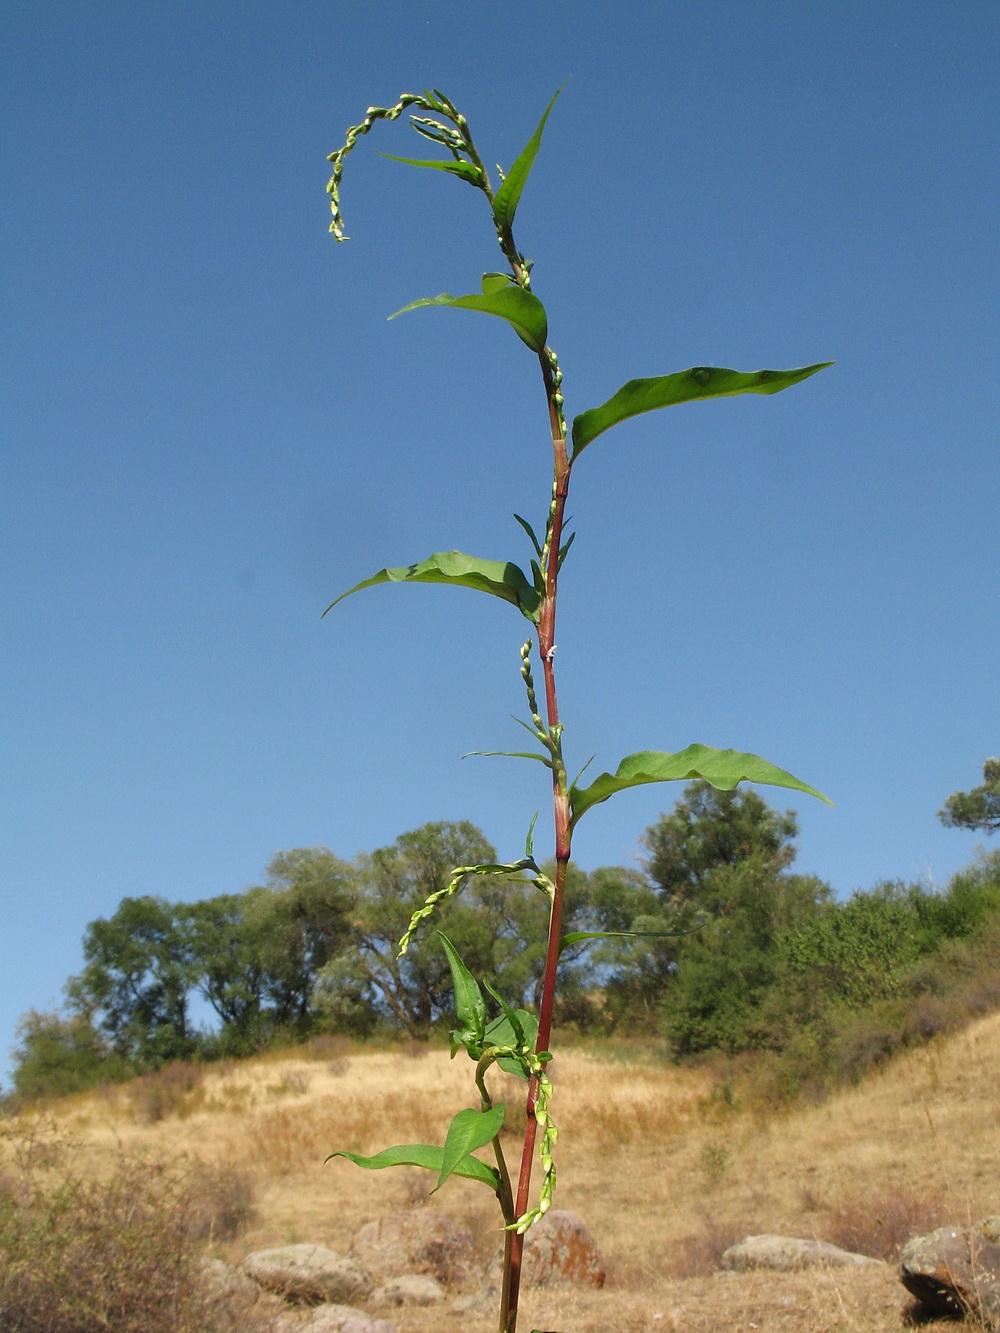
[{"x": 517, "y": 1040}]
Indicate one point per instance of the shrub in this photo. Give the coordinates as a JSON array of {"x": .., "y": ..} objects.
[
  {"x": 121, "y": 1252},
  {"x": 56, "y": 1056}
]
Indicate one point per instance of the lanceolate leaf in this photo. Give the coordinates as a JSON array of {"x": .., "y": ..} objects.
[
  {"x": 511, "y": 754},
  {"x": 507, "y": 197},
  {"x": 665, "y": 390},
  {"x": 470, "y": 1007},
  {"x": 500, "y": 579},
  {"x": 467, "y": 1131},
  {"x": 722, "y": 768},
  {"x": 523, "y": 311},
  {"x": 502, "y": 1032},
  {"x": 467, "y": 170},
  {"x": 432, "y": 1159},
  {"x": 577, "y": 935}
]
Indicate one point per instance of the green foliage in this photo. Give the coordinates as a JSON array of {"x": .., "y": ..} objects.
[
  {"x": 139, "y": 974},
  {"x": 499, "y": 579},
  {"x": 426, "y": 1156},
  {"x": 709, "y": 828},
  {"x": 978, "y": 808},
  {"x": 724, "y": 769},
  {"x": 727, "y": 968},
  {"x": 57, "y": 1055},
  {"x": 509, "y": 194},
  {"x": 522, "y": 311},
  {"x": 255, "y": 957},
  {"x": 468, "y": 1131},
  {"x": 686, "y": 386}
]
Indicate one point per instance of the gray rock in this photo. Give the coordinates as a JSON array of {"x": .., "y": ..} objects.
[
  {"x": 416, "y": 1242},
  {"x": 308, "y": 1273},
  {"x": 558, "y": 1251},
  {"x": 478, "y": 1302},
  {"x": 345, "y": 1319},
  {"x": 221, "y": 1283},
  {"x": 783, "y": 1254},
  {"x": 955, "y": 1271},
  {"x": 410, "y": 1289}
]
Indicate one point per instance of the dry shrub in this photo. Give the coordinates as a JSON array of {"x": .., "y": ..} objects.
[
  {"x": 222, "y": 1203},
  {"x": 86, "y": 1254},
  {"x": 285, "y": 1140},
  {"x": 176, "y": 1089},
  {"x": 700, "y": 1254},
  {"x": 881, "y": 1222}
]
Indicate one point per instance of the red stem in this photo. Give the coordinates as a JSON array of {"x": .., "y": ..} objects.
[{"x": 563, "y": 831}]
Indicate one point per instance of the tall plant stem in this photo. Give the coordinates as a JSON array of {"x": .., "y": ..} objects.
[{"x": 561, "y": 818}]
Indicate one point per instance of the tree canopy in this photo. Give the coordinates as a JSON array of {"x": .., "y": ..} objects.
[{"x": 979, "y": 808}]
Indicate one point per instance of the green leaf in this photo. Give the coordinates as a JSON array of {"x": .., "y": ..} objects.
[
  {"x": 507, "y": 197},
  {"x": 467, "y": 1131},
  {"x": 470, "y": 1007},
  {"x": 524, "y": 312},
  {"x": 511, "y": 754},
  {"x": 502, "y": 1032},
  {"x": 499, "y": 578},
  {"x": 517, "y": 1027},
  {"x": 467, "y": 170},
  {"x": 665, "y": 390},
  {"x": 722, "y": 768},
  {"x": 497, "y": 282},
  {"x": 531, "y": 534},
  {"x": 577, "y": 935},
  {"x": 422, "y": 1154}
]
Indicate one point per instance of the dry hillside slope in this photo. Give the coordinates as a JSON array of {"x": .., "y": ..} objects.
[{"x": 662, "y": 1176}]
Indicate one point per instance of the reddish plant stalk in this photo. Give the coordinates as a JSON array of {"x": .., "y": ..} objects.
[{"x": 563, "y": 831}]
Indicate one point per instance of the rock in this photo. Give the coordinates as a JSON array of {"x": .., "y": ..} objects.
[
  {"x": 478, "y": 1302},
  {"x": 345, "y": 1319},
  {"x": 955, "y": 1271},
  {"x": 308, "y": 1273},
  {"x": 785, "y": 1253},
  {"x": 410, "y": 1289},
  {"x": 558, "y": 1251},
  {"x": 221, "y": 1282},
  {"x": 416, "y": 1242}
]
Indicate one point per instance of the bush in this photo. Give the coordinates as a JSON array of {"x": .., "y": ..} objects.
[
  {"x": 121, "y": 1252},
  {"x": 56, "y": 1056}
]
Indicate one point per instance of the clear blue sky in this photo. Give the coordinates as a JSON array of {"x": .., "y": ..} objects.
[{"x": 209, "y": 430}]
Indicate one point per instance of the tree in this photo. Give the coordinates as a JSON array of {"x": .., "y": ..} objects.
[
  {"x": 978, "y": 808},
  {"x": 727, "y": 967},
  {"x": 139, "y": 973},
  {"x": 57, "y": 1055},
  {"x": 299, "y": 921},
  {"x": 718, "y": 867},
  {"x": 709, "y": 828},
  {"x": 491, "y": 920},
  {"x": 394, "y": 882}
]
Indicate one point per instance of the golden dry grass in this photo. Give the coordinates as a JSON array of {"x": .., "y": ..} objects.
[{"x": 663, "y": 1176}]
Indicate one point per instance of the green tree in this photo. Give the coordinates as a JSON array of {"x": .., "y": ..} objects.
[
  {"x": 709, "y": 828},
  {"x": 138, "y": 976},
  {"x": 727, "y": 968},
  {"x": 489, "y": 919},
  {"x": 393, "y": 883},
  {"x": 298, "y": 921},
  {"x": 978, "y": 808},
  {"x": 634, "y": 973},
  {"x": 58, "y": 1054},
  {"x": 257, "y": 954}
]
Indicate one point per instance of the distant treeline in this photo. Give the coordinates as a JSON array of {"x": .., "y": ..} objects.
[{"x": 759, "y": 959}]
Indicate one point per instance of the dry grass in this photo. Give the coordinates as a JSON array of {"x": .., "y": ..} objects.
[{"x": 664, "y": 1174}]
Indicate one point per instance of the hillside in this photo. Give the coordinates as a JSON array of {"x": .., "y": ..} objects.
[{"x": 663, "y": 1173}]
